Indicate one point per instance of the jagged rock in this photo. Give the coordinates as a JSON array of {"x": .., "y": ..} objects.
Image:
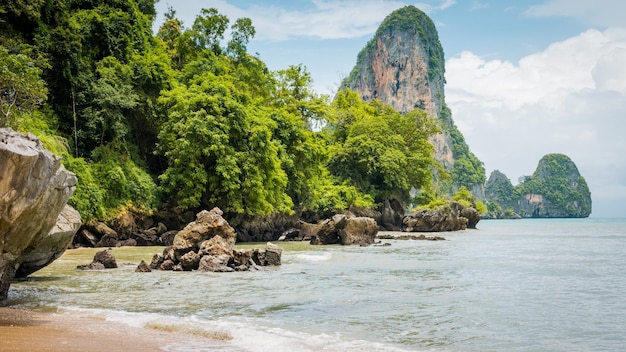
[
  {"x": 52, "y": 246},
  {"x": 215, "y": 246},
  {"x": 34, "y": 189},
  {"x": 207, "y": 245},
  {"x": 167, "y": 264},
  {"x": 106, "y": 258},
  {"x": 85, "y": 236},
  {"x": 215, "y": 263},
  {"x": 108, "y": 240},
  {"x": 446, "y": 218},
  {"x": 156, "y": 262},
  {"x": 261, "y": 228},
  {"x": 190, "y": 261},
  {"x": 344, "y": 229},
  {"x": 207, "y": 225},
  {"x": 131, "y": 242},
  {"x": 167, "y": 239},
  {"x": 242, "y": 257},
  {"x": 101, "y": 260},
  {"x": 101, "y": 229},
  {"x": 143, "y": 267},
  {"x": 273, "y": 254},
  {"x": 472, "y": 215},
  {"x": 91, "y": 266},
  {"x": 391, "y": 216},
  {"x": 360, "y": 231}
]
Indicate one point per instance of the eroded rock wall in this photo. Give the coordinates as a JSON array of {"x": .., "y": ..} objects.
[{"x": 34, "y": 190}]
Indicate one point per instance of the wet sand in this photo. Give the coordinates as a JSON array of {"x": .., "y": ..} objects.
[{"x": 24, "y": 330}]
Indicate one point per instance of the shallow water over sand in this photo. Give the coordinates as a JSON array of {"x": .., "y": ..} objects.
[{"x": 523, "y": 285}]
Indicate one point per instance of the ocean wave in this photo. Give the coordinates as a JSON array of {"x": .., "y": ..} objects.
[{"x": 321, "y": 257}]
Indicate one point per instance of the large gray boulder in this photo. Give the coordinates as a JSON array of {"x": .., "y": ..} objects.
[
  {"x": 34, "y": 190},
  {"x": 344, "y": 229},
  {"x": 53, "y": 245}
]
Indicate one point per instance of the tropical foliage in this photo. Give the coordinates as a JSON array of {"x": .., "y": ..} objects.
[{"x": 189, "y": 118}]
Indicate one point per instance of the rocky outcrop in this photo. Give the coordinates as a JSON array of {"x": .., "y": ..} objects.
[
  {"x": 53, "y": 245},
  {"x": 343, "y": 229},
  {"x": 403, "y": 65},
  {"x": 555, "y": 190},
  {"x": 34, "y": 190},
  {"x": 207, "y": 244},
  {"x": 133, "y": 228},
  {"x": 261, "y": 228},
  {"x": 101, "y": 260},
  {"x": 451, "y": 217}
]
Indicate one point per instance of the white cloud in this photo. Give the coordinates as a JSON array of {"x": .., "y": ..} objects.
[
  {"x": 324, "y": 19},
  {"x": 569, "y": 98},
  {"x": 604, "y": 13}
]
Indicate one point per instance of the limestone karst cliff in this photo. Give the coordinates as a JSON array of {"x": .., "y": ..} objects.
[
  {"x": 555, "y": 190},
  {"x": 403, "y": 66}
]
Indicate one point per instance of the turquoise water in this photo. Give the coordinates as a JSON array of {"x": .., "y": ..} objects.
[{"x": 511, "y": 285}]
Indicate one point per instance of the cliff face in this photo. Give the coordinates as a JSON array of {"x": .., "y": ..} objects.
[
  {"x": 34, "y": 190},
  {"x": 403, "y": 66},
  {"x": 555, "y": 190}
]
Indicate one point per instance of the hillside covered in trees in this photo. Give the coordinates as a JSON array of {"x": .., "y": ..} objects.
[
  {"x": 555, "y": 190},
  {"x": 188, "y": 119}
]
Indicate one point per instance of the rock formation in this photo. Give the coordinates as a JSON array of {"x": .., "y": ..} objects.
[
  {"x": 34, "y": 190},
  {"x": 207, "y": 245},
  {"x": 450, "y": 217},
  {"x": 403, "y": 65},
  {"x": 555, "y": 190},
  {"x": 343, "y": 229},
  {"x": 101, "y": 260},
  {"x": 53, "y": 245}
]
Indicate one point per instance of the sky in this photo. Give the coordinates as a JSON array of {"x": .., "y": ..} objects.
[{"x": 524, "y": 78}]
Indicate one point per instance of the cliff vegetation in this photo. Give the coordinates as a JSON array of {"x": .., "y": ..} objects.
[
  {"x": 188, "y": 119},
  {"x": 555, "y": 190},
  {"x": 403, "y": 65}
]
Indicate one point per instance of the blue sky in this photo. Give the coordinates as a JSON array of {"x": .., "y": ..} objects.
[{"x": 524, "y": 78}]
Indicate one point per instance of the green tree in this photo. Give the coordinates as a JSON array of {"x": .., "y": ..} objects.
[
  {"x": 219, "y": 148},
  {"x": 208, "y": 29},
  {"x": 293, "y": 91},
  {"x": 242, "y": 33},
  {"x": 380, "y": 151},
  {"x": 21, "y": 88},
  {"x": 113, "y": 97}
]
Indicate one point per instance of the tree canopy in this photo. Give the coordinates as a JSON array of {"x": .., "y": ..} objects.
[{"x": 189, "y": 118}]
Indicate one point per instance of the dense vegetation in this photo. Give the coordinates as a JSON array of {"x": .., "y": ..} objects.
[
  {"x": 467, "y": 170},
  {"x": 563, "y": 190},
  {"x": 188, "y": 118}
]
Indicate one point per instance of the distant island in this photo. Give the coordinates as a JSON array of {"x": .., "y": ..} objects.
[{"x": 555, "y": 190}]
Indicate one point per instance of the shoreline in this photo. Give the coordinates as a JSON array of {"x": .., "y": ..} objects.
[{"x": 23, "y": 330}]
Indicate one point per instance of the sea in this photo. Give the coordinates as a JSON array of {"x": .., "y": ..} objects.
[{"x": 510, "y": 285}]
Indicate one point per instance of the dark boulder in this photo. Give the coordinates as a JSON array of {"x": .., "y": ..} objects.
[
  {"x": 101, "y": 260},
  {"x": 143, "y": 267},
  {"x": 343, "y": 229}
]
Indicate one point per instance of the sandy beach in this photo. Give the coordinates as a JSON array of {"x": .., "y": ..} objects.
[{"x": 26, "y": 331}]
